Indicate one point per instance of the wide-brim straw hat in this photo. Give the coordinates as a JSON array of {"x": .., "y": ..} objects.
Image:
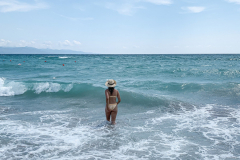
[{"x": 111, "y": 83}]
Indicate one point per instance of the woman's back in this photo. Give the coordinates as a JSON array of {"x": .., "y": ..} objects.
[{"x": 113, "y": 96}]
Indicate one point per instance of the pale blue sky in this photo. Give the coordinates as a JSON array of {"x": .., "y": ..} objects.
[{"x": 122, "y": 26}]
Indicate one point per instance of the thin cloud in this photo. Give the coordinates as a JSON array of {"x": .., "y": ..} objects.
[
  {"x": 70, "y": 18},
  {"x": 4, "y": 42},
  {"x": 86, "y": 19},
  {"x": 22, "y": 43},
  {"x": 194, "y": 9},
  {"x": 16, "y": 6},
  {"x": 67, "y": 43},
  {"x": 77, "y": 42},
  {"x": 234, "y": 1},
  {"x": 160, "y": 2},
  {"x": 75, "y": 19},
  {"x": 130, "y": 7},
  {"x": 125, "y": 9},
  {"x": 47, "y": 44}
]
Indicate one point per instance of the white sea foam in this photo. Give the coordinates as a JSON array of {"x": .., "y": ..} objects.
[
  {"x": 11, "y": 88},
  {"x": 51, "y": 87},
  {"x": 189, "y": 134},
  {"x": 150, "y": 111},
  {"x": 49, "y": 138},
  {"x": 210, "y": 133},
  {"x": 68, "y": 88},
  {"x": 46, "y": 87},
  {"x": 63, "y": 57}
]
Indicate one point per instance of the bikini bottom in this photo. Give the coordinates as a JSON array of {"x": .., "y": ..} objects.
[{"x": 112, "y": 106}]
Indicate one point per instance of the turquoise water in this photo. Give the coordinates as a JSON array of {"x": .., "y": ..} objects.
[{"x": 173, "y": 107}]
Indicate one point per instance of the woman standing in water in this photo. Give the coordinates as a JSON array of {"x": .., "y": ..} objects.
[{"x": 111, "y": 105}]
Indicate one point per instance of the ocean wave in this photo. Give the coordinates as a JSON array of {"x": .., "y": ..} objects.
[
  {"x": 11, "y": 88},
  {"x": 63, "y": 57},
  {"x": 46, "y": 87},
  {"x": 18, "y": 88},
  {"x": 51, "y": 87},
  {"x": 149, "y": 93}
]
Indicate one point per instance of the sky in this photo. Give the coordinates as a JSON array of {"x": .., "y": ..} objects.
[{"x": 122, "y": 26}]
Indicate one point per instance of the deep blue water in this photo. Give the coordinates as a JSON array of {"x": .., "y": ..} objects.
[{"x": 173, "y": 107}]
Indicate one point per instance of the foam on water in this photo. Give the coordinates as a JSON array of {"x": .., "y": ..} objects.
[
  {"x": 11, "y": 88},
  {"x": 64, "y": 57},
  {"x": 46, "y": 87},
  {"x": 68, "y": 88},
  {"x": 204, "y": 129},
  {"x": 53, "y": 134},
  {"x": 17, "y": 88},
  {"x": 210, "y": 132}
]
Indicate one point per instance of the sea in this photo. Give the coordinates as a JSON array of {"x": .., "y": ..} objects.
[{"x": 173, "y": 107}]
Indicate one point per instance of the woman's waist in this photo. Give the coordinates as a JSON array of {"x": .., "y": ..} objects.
[{"x": 112, "y": 103}]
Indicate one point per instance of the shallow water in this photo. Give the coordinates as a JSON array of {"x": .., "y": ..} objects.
[{"x": 173, "y": 107}]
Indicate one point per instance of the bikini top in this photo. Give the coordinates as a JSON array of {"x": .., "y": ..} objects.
[{"x": 112, "y": 96}]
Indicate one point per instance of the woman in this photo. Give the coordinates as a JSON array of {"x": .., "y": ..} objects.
[{"x": 111, "y": 104}]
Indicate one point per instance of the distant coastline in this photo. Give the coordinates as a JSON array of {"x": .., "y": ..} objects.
[
  {"x": 31, "y": 50},
  {"x": 34, "y": 51}
]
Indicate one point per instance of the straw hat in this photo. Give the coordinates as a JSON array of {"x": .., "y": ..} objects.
[{"x": 111, "y": 83}]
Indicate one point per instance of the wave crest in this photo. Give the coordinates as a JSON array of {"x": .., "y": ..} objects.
[
  {"x": 18, "y": 88},
  {"x": 12, "y": 88},
  {"x": 51, "y": 87}
]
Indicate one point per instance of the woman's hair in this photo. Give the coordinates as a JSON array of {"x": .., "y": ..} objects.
[{"x": 111, "y": 89}]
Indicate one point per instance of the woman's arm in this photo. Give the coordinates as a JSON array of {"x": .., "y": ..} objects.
[
  {"x": 119, "y": 98},
  {"x": 107, "y": 97}
]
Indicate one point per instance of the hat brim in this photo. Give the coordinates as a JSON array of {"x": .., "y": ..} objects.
[{"x": 113, "y": 85}]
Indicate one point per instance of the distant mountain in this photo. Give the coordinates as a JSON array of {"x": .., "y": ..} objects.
[{"x": 30, "y": 50}]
